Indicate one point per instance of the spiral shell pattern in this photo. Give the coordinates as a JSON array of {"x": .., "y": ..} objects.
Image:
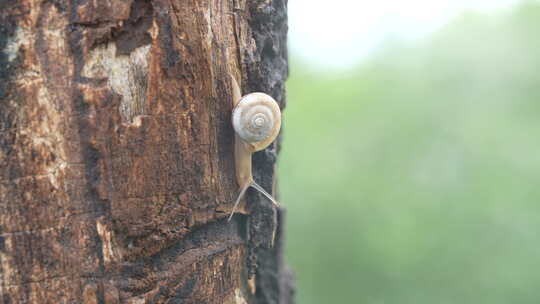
[{"x": 256, "y": 118}]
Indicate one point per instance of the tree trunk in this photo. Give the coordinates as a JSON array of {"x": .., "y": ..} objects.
[{"x": 116, "y": 151}]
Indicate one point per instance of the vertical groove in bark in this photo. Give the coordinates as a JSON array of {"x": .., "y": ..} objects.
[
  {"x": 116, "y": 165},
  {"x": 267, "y": 70}
]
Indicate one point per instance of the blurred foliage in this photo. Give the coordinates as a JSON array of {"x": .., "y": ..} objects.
[{"x": 415, "y": 177}]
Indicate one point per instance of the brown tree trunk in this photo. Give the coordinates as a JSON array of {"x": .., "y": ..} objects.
[{"x": 116, "y": 151}]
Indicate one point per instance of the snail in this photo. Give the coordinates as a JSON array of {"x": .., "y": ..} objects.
[{"x": 256, "y": 119}]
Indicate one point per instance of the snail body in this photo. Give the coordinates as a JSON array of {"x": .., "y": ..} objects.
[{"x": 256, "y": 119}]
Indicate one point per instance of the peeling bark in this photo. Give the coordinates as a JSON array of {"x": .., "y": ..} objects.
[{"x": 116, "y": 152}]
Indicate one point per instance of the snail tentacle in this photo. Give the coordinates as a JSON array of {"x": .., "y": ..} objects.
[
  {"x": 268, "y": 196},
  {"x": 240, "y": 196},
  {"x": 243, "y": 192}
]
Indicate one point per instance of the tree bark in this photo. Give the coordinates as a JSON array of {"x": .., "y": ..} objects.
[{"x": 116, "y": 152}]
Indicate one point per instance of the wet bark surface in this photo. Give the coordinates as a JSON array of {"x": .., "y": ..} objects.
[{"x": 116, "y": 152}]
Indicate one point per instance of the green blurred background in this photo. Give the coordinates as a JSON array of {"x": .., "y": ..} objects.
[{"x": 413, "y": 177}]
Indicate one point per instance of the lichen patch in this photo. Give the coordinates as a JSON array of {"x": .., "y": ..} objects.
[
  {"x": 126, "y": 75},
  {"x": 14, "y": 43}
]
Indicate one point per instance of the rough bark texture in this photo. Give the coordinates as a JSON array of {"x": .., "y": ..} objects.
[{"x": 116, "y": 152}]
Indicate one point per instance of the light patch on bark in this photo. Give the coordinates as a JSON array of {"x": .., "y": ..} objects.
[
  {"x": 14, "y": 43},
  {"x": 127, "y": 75},
  {"x": 252, "y": 285},
  {"x": 7, "y": 271},
  {"x": 54, "y": 173},
  {"x": 90, "y": 294},
  {"x": 239, "y": 297},
  {"x": 210, "y": 33},
  {"x": 105, "y": 234},
  {"x": 236, "y": 298},
  {"x": 49, "y": 137},
  {"x": 137, "y": 300}
]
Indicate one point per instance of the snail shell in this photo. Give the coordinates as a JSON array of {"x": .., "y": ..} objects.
[{"x": 256, "y": 120}]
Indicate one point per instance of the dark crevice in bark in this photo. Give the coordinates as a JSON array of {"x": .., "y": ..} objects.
[
  {"x": 8, "y": 26},
  {"x": 267, "y": 72},
  {"x": 127, "y": 34},
  {"x": 172, "y": 55},
  {"x": 168, "y": 265},
  {"x": 134, "y": 32},
  {"x": 89, "y": 153},
  {"x": 7, "y": 31}
]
